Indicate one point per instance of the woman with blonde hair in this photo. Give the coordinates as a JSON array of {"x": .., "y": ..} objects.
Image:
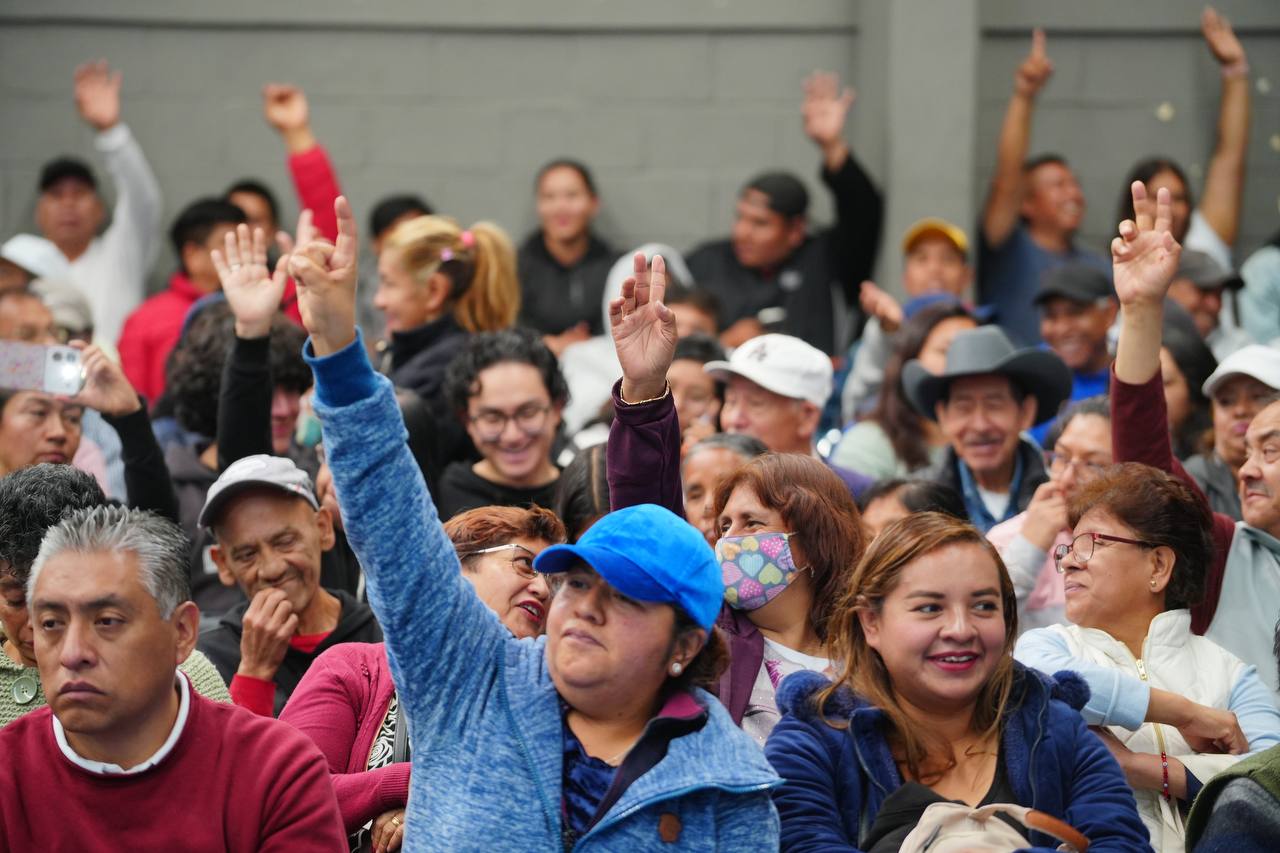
[{"x": 930, "y": 707}]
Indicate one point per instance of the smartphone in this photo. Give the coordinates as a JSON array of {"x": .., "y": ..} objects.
[{"x": 52, "y": 369}]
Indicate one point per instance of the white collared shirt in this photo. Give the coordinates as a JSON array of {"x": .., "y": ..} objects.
[{"x": 103, "y": 768}]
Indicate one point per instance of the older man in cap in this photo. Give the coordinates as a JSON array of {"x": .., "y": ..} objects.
[
  {"x": 271, "y": 531},
  {"x": 988, "y": 395}
]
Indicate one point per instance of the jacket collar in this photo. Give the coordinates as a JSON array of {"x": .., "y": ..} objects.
[
  {"x": 1170, "y": 629},
  {"x": 405, "y": 345},
  {"x": 536, "y": 246}
]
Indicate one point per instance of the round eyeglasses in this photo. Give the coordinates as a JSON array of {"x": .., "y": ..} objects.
[
  {"x": 530, "y": 420},
  {"x": 1084, "y": 545}
]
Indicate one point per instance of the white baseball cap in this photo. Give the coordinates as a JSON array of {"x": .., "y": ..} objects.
[
  {"x": 1256, "y": 360},
  {"x": 36, "y": 255},
  {"x": 782, "y": 364}
]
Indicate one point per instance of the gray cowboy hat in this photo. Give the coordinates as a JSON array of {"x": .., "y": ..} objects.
[{"x": 987, "y": 349}]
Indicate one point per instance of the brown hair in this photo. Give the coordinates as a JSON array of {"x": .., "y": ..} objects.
[
  {"x": 481, "y": 265},
  {"x": 927, "y": 755},
  {"x": 487, "y": 526},
  {"x": 818, "y": 508},
  {"x": 1160, "y": 509}
]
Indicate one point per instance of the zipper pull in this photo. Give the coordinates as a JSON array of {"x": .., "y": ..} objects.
[{"x": 1142, "y": 670}]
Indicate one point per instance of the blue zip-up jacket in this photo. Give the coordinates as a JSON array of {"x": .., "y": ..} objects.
[
  {"x": 483, "y": 710},
  {"x": 835, "y": 779}
]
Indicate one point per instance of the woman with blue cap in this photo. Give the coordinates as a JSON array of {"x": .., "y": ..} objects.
[{"x": 593, "y": 737}]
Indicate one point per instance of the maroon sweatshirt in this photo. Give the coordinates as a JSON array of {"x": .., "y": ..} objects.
[{"x": 234, "y": 781}]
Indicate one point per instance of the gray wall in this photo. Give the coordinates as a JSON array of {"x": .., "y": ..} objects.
[{"x": 673, "y": 102}]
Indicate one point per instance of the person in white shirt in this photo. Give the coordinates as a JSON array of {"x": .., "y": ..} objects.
[{"x": 110, "y": 268}]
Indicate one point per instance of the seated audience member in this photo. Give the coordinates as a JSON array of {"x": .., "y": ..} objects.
[
  {"x": 789, "y": 531},
  {"x": 261, "y": 210},
  {"x": 1242, "y": 578},
  {"x": 1186, "y": 363},
  {"x": 72, "y": 316},
  {"x": 889, "y": 500},
  {"x": 697, "y": 311},
  {"x": 110, "y": 268},
  {"x": 1260, "y": 299},
  {"x": 582, "y": 492},
  {"x": 931, "y": 707},
  {"x": 1081, "y": 451},
  {"x": 563, "y": 264},
  {"x": 151, "y": 332},
  {"x": 1168, "y": 700},
  {"x": 24, "y": 317},
  {"x": 1197, "y": 288},
  {"x": 707, "y": 464},
  {"x": 894, "y": 440},
  {"x": 614, "y": 684},
  {"x": 771, "y": 261},
  {"x": 270, "y": 532},
  {"x": 392, "y": 211},
  {"x": 124, "y": 731},
  {"x": 1243, "y": 385},
  {"x": 1077, "y": 309},
  {"x": 987, "y": 395},
  {"x": 775, "y": 389},
  {"x": 697, "y": 395},
  {"x": 32, "y": 501},
  {"x": 1212, "y": 225},
  {"x": 1032, "y": 213},
  {"x": 347, "y": 701},
  {"x": 935, "y": 263},
  {"x": 25, "y": 258},
  {"x": 507, "y": 390}
]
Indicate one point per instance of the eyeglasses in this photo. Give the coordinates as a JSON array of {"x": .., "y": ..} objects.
[
  {"x": 1084, "y": 468},
  {"x": 1084, "y": 545},
  {"x": 530, "y": 420},
  {"x": 521, "y": 563}
]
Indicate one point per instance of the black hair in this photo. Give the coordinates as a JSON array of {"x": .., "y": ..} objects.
[
  {"x": 1145, "y": 170},
  {"x": 258, "y": 188},
  {"x": 1099, "y": 405},
  {"x": 1196, "y": 361},
  {"x": 567, "y": 163},
  {"x": 1046, "y": 159},
  {"x": 198, "y": 219},
  {"x": 746, "y": 446},
  {"x": 582, "y": 492},
  {"x": 193, "y": 374},
  {"x": 917, "y": 496},
  {"x": 34, "y": 499},
  {"x": 700, "y": 348},
  {"x": 388, "y": 210},
  {"x": 696, "y": 297},
  {"x": 786, "y": 193},
  {"x": 288, "y": 369},
  {"x": 522, "y": 346}
]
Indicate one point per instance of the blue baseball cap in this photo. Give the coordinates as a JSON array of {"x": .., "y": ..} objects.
[{"x": 650, "y": 554}]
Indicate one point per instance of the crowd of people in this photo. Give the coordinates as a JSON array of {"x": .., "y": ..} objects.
[{"x": 550, "y": 546}]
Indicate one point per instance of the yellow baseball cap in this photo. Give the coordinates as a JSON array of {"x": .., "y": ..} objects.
[{"x": 941, "y": 227}]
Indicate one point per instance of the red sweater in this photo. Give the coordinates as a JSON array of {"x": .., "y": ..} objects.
[
  {"x": 317, "y": 186},
  {"x": 151, "y": 332},
  {"x": 234, "y": 781}
]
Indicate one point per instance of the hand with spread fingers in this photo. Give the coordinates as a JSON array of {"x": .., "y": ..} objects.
[
  {"x": 826, "y": 109},
  {"x": 644, "y": 330},
  {"x": 326, "y": 277},
  {"x": 1145, "y": 256},
  {"x": 98, "y": 95},
  {"x": 106, "y": 389},
  {"x": 252, "y": 290}
]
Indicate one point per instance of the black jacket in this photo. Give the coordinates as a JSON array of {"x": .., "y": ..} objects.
[
  {"x": 462, "y": 489},
  {"x": 838, "y": 258},
  {"x": 417, "y": 359},
  {"x": 553, "y": 297},
  {"x": 146, "y": 477},
  {"x": 221, "y": 644}
]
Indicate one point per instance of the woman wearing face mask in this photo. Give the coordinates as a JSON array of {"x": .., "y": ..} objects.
[
  {"x": 508, "y": 393},
  {"x": 789, "y": 532},
  {"x": 596, "y": 737},
  {"x": 347, "y": 701},
  {"x": 1170, "y": 699},
  {"x": 931, "y": 707}
]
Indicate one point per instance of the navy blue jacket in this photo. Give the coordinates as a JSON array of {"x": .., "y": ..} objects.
[{"x": 835, "y": 779}]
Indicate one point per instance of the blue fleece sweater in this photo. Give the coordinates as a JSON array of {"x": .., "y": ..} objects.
[
  {"x": 482, "y": 704},
  {"x": 835, "y": 779}
]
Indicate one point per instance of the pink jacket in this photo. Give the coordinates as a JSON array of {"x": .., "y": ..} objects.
[{"x": 339, "y": 704}]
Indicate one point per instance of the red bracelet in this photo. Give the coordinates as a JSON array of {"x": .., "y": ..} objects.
[{"x": 1164, "y": 784}]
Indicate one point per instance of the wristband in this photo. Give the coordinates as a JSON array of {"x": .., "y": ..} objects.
[
  {"x": 1235, "y": 69},
  {"x": 1164, "y": 782},
  {"x": 666, "y": 389}
]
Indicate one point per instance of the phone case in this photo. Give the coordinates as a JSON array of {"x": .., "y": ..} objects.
[{"x": 37, "y": 367}]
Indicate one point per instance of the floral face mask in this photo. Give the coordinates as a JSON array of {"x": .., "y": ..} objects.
[{"x": 757, "y": 568}]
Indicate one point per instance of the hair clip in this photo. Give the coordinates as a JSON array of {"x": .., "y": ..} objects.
[
  {"x": 468, "y": 239},
  {"x": 446, "y": 255}
]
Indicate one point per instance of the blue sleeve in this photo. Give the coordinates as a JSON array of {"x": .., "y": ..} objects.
[
  {"x": 1099, "y": 800},
  {"x": 807, "y": 805},
  {"x": 441, "y": 640},
  {"x": 1255, "y": 710},
  {"x": 1115, "y": 699}
]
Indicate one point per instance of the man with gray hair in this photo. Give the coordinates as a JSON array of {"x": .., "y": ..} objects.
[{"x": 123, "y": 731}]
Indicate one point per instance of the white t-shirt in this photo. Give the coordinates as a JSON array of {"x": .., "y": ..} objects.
[
  {"x": 997, "y": 503},
  {"x": 779, "y": 662}
]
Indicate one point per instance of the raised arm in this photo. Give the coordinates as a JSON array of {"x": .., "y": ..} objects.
[
  {"x": 1224, "y": 182},
  {"x": 442, "y": 653},
  {"x": 285, "y": 109},
  {"x": 643, "y": 453},
  {"x": 1000, "y": 214}
]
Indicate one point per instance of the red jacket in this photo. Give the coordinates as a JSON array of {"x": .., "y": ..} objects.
[
  {"x": 339, "y": 704},
  {"x": 151, "y": 332},
  {"x": 234, "y": 781}
]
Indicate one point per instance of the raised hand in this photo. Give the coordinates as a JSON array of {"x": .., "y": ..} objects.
[
  {"x": 644, "y": 330},
  {"x": 1222, "y": 41},
  {"x": 825, "y": 109},
  {"x": 879, "y": 304},
  {"x": 1035, "y": 69},
  {"x": 98, "y": 95},
  {"x": 1145, "y": 256},
  {"x": 285, "y": 108},
  {"x": 106, "y": 389},
  {"x": 326, "y": 277},
  {"x": 252, "y": 290}
]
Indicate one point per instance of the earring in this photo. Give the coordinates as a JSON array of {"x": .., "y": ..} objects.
[
  {"x": 677, "y": 668},
  {"x": 1153, "y": 584}
]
